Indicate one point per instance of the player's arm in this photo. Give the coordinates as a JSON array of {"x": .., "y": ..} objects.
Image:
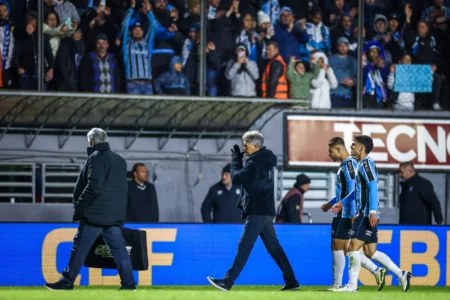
[
  {"x": 329, "y": 204},
  {"x": 348, "y": 199},
  {"x": 371, "y": 179},
  {"x": 350, "y": 178}
]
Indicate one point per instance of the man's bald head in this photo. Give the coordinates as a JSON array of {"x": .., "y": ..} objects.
[{"x": 406, "y": 170}]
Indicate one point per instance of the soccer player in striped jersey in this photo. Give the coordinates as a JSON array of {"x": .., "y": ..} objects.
[
  {"x": 342, "y": 221},
  {"x": 364, "y": 233}
]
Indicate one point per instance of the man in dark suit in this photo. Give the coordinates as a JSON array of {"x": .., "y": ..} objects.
[
  {"x": 257, "y": 204},
  {"x": 100, "y": 201},
  {"x": 221, "y": 201},
  {"x": 417, "y": 198},
  {"x": 142, "y": 199}
]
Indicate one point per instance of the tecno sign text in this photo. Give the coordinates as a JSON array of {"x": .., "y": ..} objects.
[{"x": 425, "y": 142}]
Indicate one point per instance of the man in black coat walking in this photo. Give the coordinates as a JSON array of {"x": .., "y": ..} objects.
[
  {"x": 258, "y": 209},
  {"x": 100, "y": 200},
  {"x": 417, "y": 198}
]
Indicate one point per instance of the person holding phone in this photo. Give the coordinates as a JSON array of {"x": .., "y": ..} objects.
[{"x": 242, "y": 73}]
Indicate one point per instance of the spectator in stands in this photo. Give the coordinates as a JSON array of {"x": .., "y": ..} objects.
[
  {"x": 66, "y": 11},
  {"x": 221, "y": 201},
  {"x": 370, "y": 11},
  {"x": 318, "y": 36},
  {"x": 137, "y": 52},
  {"x": 345, "y": 68},
  {"x": 7, "y": 43},
  {"x": 26, "y": 55},
  {"x": 417, "y": 198},
  {"x": 290, "y": 209},
  {"x": 441, "y": 34},
  {"x": 438, "y": 9},
  {"x": 142, "y": 206},
  {"x": 243, "y": 73},
  {"x": 272, "y": 9},
  {"x": 68, "y": 59},
  {"x": 222, "y": 31},
  {"x": 379, "y": 33},
  {"x": 248, "y": 37},
  {"x": 423, "y": 48},
  {"x": 335, "y": 14},
  {"x": 325, "y": 81},
  {"x": 344, "y": 29},
  {"x": 167, "y": 25},
  {"x": 393, "y": 39},
  {"x": 99, "y": 21},
  {"x": 266, "y": 32},
  {"x": 192, "y": 18},
  {"x": 191, "y": 57},
  {"x": 99, "y": 71},
  {"x": 300, "y": 80},
  {"x": 402, "y": 101},
  {"x": 162, "y": 55},
  {"x": 374, "y": 77},
  {"x": 173, "y": 82},
  {"x": 380, "y": 27},
  {"x": 56, "y": 31},
  {"x": 213, "y": 5},
  {"x": 274, "y": 82},
  {"x": 289, "y": 35}
]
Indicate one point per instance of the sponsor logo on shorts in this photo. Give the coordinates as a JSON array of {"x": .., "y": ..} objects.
[
  {"x": 369, "y": 232},
  {"x": 351, "y": 232}
]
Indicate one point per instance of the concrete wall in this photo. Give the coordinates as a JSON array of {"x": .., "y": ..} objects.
[{"x": 176, "y": 177}]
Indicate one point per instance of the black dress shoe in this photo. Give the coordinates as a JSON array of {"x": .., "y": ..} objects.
[
  {"x": 219, "y": 284},
  {"x": 59, "y": 286},
  {"x": 291, "y": 287}
]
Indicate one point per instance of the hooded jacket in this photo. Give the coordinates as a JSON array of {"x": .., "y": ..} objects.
[
  {"x": 374, "y": 78},
  {"x": 257, "y": 181},
  {"x": 318, "y": 39},
  {"x": 321, "y": 86},
  {"x": 172, "y": 82},
  {"x": 242, "y": 76}
]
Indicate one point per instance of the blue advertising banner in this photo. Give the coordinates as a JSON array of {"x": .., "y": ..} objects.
[{"x": 184, "y": 254}]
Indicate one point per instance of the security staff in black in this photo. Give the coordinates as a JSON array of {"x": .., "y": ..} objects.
[
  {"x": 100, "y": 201},
  {"x": 417, "y": 198},
  {"x": 258, "y": 209},
  {"x": 221, "y": 201}
]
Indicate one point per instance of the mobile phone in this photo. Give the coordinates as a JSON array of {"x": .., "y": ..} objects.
[{"x": 241, "y": 54}]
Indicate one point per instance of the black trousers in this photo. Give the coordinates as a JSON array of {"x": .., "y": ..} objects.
[
  {"x": 260, "y": 226},
  {"x": 82, "y": 243}
]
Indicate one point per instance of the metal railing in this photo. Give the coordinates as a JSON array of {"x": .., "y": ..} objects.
[
  {"x": 52, "y": 185},
  {"x": 17, "y": 181}
]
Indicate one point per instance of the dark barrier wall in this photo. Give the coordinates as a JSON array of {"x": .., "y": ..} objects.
[{"x": 186, "y": 254}]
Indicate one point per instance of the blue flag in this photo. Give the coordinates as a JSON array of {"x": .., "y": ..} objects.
[{"x": 413, "y": 79}]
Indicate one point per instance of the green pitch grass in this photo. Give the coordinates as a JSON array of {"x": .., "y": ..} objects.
[{"x": 209, "y": 293}]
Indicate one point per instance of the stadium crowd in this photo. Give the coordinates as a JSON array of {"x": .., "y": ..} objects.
[{"x": 297, "y": 49}]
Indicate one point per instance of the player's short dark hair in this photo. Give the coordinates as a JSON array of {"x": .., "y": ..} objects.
[
  {"x": 366, "y": 141},
  {"x": 273, "y": 43},
  {"x": 136, "y": 166},
  {"x": 407, "y": 164},
  {"x": 336, "y": 141}
]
